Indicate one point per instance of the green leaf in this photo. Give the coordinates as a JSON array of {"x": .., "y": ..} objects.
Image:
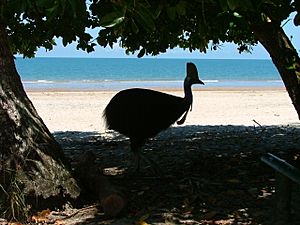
[
  {"x": 74, "y": 7},
  {"x": 101, "y": 40},
  {"x": 171, "y": 11},
  {"x": 223, "y": 4},
  {"x": 247, "y": 5},
  {"x": 65, "y": 42},
  {"x": 181, "y": 8},
  {"x": 238, "y": 4},
  {"x": 52, "y": 9},
  {"x": 233, "y": 4},
  {"x": 111, "y": 19},
  {"x": 235, "y": 14},
  {"x": 291, "y": 67},
  {"x": 297, "y": 19},
  {"x": 269, "y": 2},
  {"x": 145, "y": 18},
  {"x": 157, "y": 12},
  {"x": 134, "y": 27},
  {"x": 141, "y": 53}
]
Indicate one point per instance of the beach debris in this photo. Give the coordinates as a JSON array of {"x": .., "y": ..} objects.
[
  {"x": 257, "y": 123},
  {"x": 41, "y": 217}
]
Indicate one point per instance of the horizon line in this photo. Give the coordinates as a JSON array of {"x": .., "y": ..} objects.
[{"x": 95, "y": 57}]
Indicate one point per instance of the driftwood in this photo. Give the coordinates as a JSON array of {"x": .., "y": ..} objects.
[
  {"x": 286, "y": 177},
  {"x": 111, "y": 199}
]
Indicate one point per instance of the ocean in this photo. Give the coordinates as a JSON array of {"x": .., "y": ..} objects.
[{"x": 120, "y": 73}]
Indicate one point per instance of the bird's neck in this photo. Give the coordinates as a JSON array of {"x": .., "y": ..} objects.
[{"x": 188, "y": 96}]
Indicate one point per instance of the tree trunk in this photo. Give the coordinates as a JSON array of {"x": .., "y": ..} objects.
[
  {"x": 32, "y": 164},
  {"x": 284, "y": 56}
]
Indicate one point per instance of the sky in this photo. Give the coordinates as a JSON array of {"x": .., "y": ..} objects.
[{"x": 227, "y": 51}]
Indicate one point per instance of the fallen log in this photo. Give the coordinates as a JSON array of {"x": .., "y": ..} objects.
[{"x": 111, "y": 199}]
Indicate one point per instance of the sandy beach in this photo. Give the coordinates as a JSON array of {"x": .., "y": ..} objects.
[
  {"x": 64, "y": 110},
  {"x": 210, "y": 173}
]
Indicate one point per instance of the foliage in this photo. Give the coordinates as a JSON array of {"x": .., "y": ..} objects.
[
  {"x": 193, "y": 25},
  {"x": 12, "y": 202},
  {"x": 33, "y": 24},
  {"x": 149, "y": 27}
]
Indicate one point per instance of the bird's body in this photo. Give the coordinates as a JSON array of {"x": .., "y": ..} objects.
[
  {"x": 142, "y": 113},
  {"x": 136, "y": 104}
]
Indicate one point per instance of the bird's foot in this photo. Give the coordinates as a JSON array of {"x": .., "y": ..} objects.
[{"x": 141, "y": 162}]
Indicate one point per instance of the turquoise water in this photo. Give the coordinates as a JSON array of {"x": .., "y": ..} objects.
[{"x": 101, "y": 73}]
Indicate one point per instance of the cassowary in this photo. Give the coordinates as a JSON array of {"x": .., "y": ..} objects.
[{"x": 142, "y": 113}]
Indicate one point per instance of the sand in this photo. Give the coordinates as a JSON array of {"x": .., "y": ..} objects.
[{"x": 82, "y": 110}]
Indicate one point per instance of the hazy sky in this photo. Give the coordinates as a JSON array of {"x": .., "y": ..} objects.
[{"x": 228, "y": 51}]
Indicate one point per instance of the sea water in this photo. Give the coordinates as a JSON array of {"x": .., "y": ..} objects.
[{"x": 120, "y": 73}]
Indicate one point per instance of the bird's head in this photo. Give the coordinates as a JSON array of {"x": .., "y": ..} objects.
[
  {"x": 191, "y": 78},
  {"x": 192, "y": 74}
]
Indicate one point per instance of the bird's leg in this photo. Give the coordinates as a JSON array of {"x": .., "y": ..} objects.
[
  {"x": 139, "y": 158},
  {"x": 136, "y": 150},
  {"x": 136, "y": 159}
]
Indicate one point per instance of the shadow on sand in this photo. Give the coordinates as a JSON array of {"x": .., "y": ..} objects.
[
  {"x": 211, "y": 174},
  {"x": 183, "y": 145}
]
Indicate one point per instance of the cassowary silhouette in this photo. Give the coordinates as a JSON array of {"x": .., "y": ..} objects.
[{"x": 142, "y": 113}]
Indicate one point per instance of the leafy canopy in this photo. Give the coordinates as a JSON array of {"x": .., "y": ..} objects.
[
  {"x": 149, "y": 27},
  {"x": 35, "y": 23}
]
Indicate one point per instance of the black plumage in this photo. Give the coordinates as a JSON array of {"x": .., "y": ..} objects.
[{"x": 142, "y": 113}]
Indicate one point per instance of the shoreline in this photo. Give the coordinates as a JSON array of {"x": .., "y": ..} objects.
[
  {"x": 114, "y": 85},
  {"x": 162, "y": 89},
  {"x": 70, "y": 110}
]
